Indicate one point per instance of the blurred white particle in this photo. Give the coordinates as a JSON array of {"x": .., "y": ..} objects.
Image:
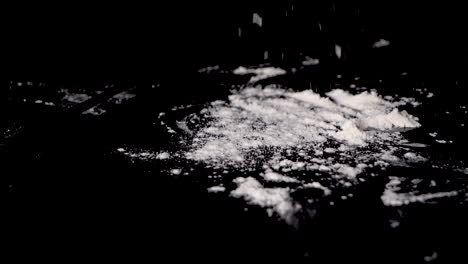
[
  {"x": 163, "y": 155},
  {"x": 120, "y": 150},
  {"x": 176, "y": 171},
  {"x": 216, "y": 189},
  {"x": 381, "y": 43},
  {"x": 20, "y": 84},
  {"x": 265, "y": 55},
  {"x": 338, "y": 51},
  {"x": 431, "y": 257},
  {"x": 429, "y": 95},
  {"x": 310, "y": 61},
  {"x": 257, "y": 19},
  {"x": 239, "y": 32}
]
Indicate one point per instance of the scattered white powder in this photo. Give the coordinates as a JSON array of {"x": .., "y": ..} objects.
[
  {"x": 275, "y": 199},
  {"x": 216, "y": 189},
  {"x": 392, "y": 196},
  {"x": 260, "y": 73},
  {"x": 381, "y": 43},
  {"x": 293, "y": 136}
]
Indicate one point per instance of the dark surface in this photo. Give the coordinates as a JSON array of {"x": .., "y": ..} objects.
[{"x": 66, "y": 194}]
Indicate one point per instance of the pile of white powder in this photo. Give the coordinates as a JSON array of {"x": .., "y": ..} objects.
[{"x": 280, "y": 141}]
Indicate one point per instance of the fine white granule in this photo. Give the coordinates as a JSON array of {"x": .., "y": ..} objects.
[{"x": 276, "y": 200}]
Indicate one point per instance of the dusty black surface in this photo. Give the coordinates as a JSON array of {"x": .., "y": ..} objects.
[{"x": 66, "y": 195}]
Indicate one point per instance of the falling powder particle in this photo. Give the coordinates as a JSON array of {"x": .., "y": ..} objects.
[
  {"x": 216, "y": 189},
  {"x": 338, "y": 51},
  {"x": 257, "y": 19},
  {"x": 310, "y": 61},
  {"x": 381, "y": 43}
]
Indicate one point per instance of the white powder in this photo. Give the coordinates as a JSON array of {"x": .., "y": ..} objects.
[
  {"x": 350, "y": 134},
  {"x": 392, "y": 196},
  {"x": 284, "y": 133},
  {"x": 275, "y": 199},
  {"x": 260, "y": 73}
]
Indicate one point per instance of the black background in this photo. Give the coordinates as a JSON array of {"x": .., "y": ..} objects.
[{"x": 68, "y": 200}]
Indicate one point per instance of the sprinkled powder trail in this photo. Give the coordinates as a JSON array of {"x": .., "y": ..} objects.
[{"x": 276, "y": 142}]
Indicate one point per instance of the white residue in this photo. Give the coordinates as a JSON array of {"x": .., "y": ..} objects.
[{"x": 393, "y": 197}]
